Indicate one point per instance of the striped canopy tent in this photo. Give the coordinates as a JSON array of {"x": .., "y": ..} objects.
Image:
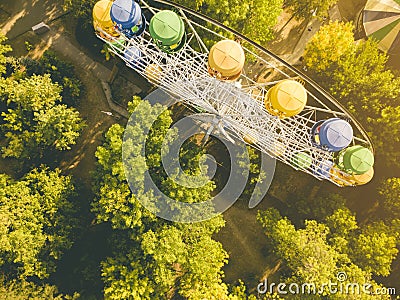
[{"x": 381, "y": 20}]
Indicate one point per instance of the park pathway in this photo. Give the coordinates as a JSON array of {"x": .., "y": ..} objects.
[
  {"x": 293, "y": 35},
  {"x": 61, "y": 44}
]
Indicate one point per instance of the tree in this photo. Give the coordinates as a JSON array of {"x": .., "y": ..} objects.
[
  {"x": 154, "y": 258},
  {"x": 61, "y": 72},
  {"x": 386, "y": 134},
  {"x": 362, "y": 81},
  {"x": 115, "y": 201},
  {"x": 4, "y": 48},
  {"x": 319, "y": 207},
  {"x": 298, "y": 247},
  {"x": 36, "y": 221},
  {"x": 21, "y": 290},
  {"x": 353, "y": 72},
  {"x": 58, "y": 127},
  {"x": 30, "y": 94},
  {"x": 328, "y": 45},
  {"x": 255, "y": 19},
  {"x": 319, "y": 251},
  {"x": 256, "y": 174},
  {"x": 309, "y": 8},
  {"x": 260, "y": 20},
  {"x": 356, "y": 74},
  {"x": 167, "y": 261},
  {"x": 374, "y": 248},
  {"x": 390, "y": 192},
  {"x": 80, "y": 8},
  {"x": 33, "y": 121}
]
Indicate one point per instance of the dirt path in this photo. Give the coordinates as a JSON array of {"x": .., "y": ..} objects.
[
  {"x": 80, "y": 160},
  {"x": 244, "y": 239},
  {"x": 292, "y": 35}
]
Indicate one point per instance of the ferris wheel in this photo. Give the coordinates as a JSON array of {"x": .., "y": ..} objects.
[{"x": 287, "y": 115}]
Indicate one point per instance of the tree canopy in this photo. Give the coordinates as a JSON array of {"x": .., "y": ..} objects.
[
  {"x": 390, "y": 192},
  {"x": 154, "y": 258},
  {"x": 22, "y": 290},
  {"x": 4, "y": 48},
  {"x": 309, "y": 8},
  {"x": 356, "y": 74},
  {"x": 328, "y": 45},
  {"x": 33, "y": 120},
  {"x": 319, "y": 251},
  {"x": 80, "y": 8},
  {"x": 60, "y": 71},
  {"x": 255, "y": 19},
  {"x": 36, "y": 221}
]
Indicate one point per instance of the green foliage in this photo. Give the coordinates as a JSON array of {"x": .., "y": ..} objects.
[
  {"x": 31, "y": 94},
  {"x": 61, "y": 72},
  {"x": 115, "y": 201},
  {"x": 309, "y": 8},
  {"x": 33, "y": 121},
  {"x": 165, "y": 261},
  {"x": 256, "y": 174},
  {"x": 356, "y": 74},
  {"x": 187, "y": 258},
  {"x": 155, "y": 259},
  {"x": 80, "y": 8},
  {"x": 298, "y": 247},
  {"x": 262, "y": 17},
  {"x": 386, "y": 133},
  {"x": 390, "y": 191},
  {"x": 319, "y": 207},
  {"x": 374, "y": 249},
  {"x": 59, "y": 127},
  {"x": 353, "y": 72},
  {"x": 35, "y": 221},
  {"x": 4, "y": 48},
  {"x": 124, "y": 278},
  {"x": 328, "y": 45},
  {"x": 22, "y": 290},
  {"x": 28, "y": 46},
  {"x": 362, "y": 81},
  {"x": 255, "y": 19},
  {"x": 341, "y": 224},
  {"x": 317, "y": 252}
]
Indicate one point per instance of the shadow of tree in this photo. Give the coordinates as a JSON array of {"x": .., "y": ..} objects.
[{"x": 288, "y": 37}]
